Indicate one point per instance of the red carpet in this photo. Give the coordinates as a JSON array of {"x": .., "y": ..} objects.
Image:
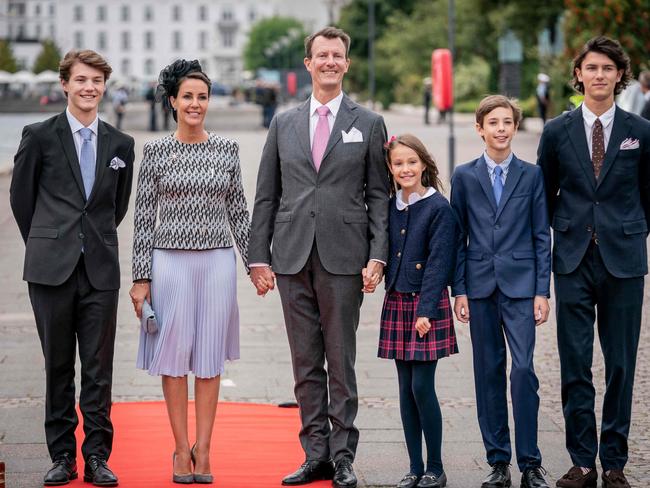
[{"x": 253, "y": 446}]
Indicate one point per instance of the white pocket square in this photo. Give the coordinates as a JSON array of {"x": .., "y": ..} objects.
[
  {"x": 353, "y": 135},
  {"x": 629, "y": 143},
  {"x": 116, "y": 163}
]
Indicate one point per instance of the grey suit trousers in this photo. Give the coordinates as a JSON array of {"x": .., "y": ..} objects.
[{"x": 321, "y": 313}]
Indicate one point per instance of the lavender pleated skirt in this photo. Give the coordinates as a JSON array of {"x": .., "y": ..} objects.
[{"x": 194, "y": 296}]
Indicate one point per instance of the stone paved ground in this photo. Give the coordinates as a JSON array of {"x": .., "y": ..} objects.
[{"x": 264, "y": 373}]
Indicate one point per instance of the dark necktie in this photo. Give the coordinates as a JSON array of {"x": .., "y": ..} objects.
[{"x": 597, "y": 147}]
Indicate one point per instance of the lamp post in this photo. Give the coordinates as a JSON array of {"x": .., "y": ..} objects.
[
  {"x": 371, "y": 52},
  {"x": 452, "y": 141}
]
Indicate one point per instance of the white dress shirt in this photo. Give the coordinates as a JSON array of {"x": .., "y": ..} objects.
[
  {"x": 75, "y": 127},
  {"x": 314, "y": 104},
  {"x": 491, "y": 164},
  {"x": 606, "y": 119}
]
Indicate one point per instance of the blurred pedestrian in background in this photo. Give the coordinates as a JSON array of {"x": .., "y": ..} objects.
[
  {"x": 644, "y": 81},
  {"x": 543, "y": 95}
]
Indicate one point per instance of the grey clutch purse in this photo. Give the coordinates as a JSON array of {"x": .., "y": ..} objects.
[{"x": 148, "y": 321}]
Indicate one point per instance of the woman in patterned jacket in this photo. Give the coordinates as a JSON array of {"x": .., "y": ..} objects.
[{"x": 189, "y": 206}]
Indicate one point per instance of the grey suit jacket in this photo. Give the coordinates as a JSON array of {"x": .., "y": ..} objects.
[{"x": 343, "y": 207}]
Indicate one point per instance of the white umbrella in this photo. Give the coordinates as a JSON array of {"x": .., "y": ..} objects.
[
  {"x": 23, "y": 77},
  {"x": 47, "y": 76},
  {"x": 5, "y": 77}
]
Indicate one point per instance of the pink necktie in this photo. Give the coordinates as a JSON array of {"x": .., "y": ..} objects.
[{"x": 321, "y": 136}]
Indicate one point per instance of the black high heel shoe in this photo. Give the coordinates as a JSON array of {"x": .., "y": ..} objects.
[{"x": 204, "y": 479}]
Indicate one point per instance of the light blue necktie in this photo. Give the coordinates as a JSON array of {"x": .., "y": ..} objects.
[
  {"x": 497, "y": 186},
  {"x": 87, "y": 160}
]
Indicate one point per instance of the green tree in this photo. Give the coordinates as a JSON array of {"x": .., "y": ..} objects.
[
  {"x": 275, "y": 42},
  {"x": 628, "y": 21},
  {"x": 48, "y": 58},
  {"x": 7, "y": 60}
]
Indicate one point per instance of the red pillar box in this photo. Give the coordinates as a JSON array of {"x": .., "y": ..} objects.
[
  {"x": 443, "y": 79},
  {"x": 292, "y": 84}
]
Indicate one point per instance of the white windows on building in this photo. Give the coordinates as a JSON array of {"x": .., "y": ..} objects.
[
  {"x": 226, "y": 39},
  {"x": 203, "y": 40},
  {"x": 126, "y": 67},
  {"x": 148, "y": 40},
  {"x": 101, "y": 13},
  {"x": 176, "y": 13},
  {"x": 79, "y": 40},
  {"x": 203, "y": 13},
  {"x": 126, "y": 40},
  {"x": 148, "y": 13},
  {"x": 125, "y": 13},
  {"x": 149, "y": 67},
  {"x": 178, "y": 40},
  {"x": 101, "y": 41},
  {"x": 78, "y": 15}
]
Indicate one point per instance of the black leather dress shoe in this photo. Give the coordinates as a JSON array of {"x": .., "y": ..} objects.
[
  {"x": 310, "y": 471},
  {"x": 430, "y": 480},
  {"x": 409, "y": 480},
  {"x": 534, "y": 478},
  {"x": 62, "y": 471},
  {"x": 499, "y": 477},
  {"x": 344, "y": 476},
  {"x": 98, "y": 473}
]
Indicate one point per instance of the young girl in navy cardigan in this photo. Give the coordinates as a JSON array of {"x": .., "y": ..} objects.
[{"x": 417, "y": 327}]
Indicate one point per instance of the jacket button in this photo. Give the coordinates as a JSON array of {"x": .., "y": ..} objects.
[
  {"x": 597, "y": 203},
  {"x": 413, "y": 294},
  {"x": 497, "y": 226},
  {"x": 84, "y": 212},
  {"x": 589, "y": 228},
  {"x": 399, "y": 254},
  {"x": 312, "y": 213},
  {"x": 81, "y": 235},
  {"x": 403, "y": 231},
  {"x": 418, "y": 266}
]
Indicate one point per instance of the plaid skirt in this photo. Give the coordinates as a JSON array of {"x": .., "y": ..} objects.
[{"x": 398, "y": 338}]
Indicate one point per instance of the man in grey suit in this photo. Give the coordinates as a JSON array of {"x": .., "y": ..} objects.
[{"x": 320, "y": 225}]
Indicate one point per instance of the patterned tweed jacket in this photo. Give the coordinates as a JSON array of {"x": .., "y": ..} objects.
[{"x": 195, "y": 192}]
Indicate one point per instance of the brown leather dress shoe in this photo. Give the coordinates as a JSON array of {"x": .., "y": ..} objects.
[
  {"x": 615, "y": 479},
  {"x": 575, "y": 478}
]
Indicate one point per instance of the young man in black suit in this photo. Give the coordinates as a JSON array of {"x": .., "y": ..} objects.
[
  {"x": 596, "y": 164},
  {"x": 70, "y": 189}
]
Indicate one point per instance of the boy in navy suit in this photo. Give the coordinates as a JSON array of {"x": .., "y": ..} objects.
[{"x": 502, "y": 283}]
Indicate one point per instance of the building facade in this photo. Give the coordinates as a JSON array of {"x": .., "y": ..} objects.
[{"x": 139, "y": 37}]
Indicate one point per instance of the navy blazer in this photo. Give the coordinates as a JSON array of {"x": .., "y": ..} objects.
[
  {"x": 508, "y": 246},
  {"x": 422, "y": 245},
  {"x": 616, "y": 206}
]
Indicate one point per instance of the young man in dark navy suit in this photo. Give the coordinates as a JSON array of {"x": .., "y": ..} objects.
[
  {"x": 596, "y": 164},
  {"x": 502, "y": 283}
]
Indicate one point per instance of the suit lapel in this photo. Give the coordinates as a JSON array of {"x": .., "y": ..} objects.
[
  {"x": 103, "y": 141},
  {"x": 301, "y": 125},
  {"x": 484, "y": 180},
  {"x": 344, "y": 119},
  {"x": 515, "y": 171},
  {"x": 620, "y": 129},
  {"x": 67, "y": 143},
  {"x": 576, "y": 128}
]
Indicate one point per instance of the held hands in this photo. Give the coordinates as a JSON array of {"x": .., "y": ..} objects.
[
  {"x": 422, "y": 325},
  {"x": 540, "y": 310},
  {"x": 263, "y": 279},
  {"x": 372, "y": 275},
  {"x": 461, "y": 309},
  {"x": 139, "y": 291}
]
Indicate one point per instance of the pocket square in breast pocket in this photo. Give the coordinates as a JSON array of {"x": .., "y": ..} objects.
[
  {"x": 353, "y": 135},
  {"x": 629, "y": 144},
  {"x": 116, "y": 163}
]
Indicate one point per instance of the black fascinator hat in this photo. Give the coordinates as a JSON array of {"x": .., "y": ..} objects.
[{"x": 173, "y": 75}]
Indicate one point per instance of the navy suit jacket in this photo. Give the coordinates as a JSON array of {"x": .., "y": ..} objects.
[
  {"x": 616, "y": 206},
  {"x": 506, "y": 246}
]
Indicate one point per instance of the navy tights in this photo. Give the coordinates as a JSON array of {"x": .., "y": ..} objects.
[{"x": 420, "y": 413}]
